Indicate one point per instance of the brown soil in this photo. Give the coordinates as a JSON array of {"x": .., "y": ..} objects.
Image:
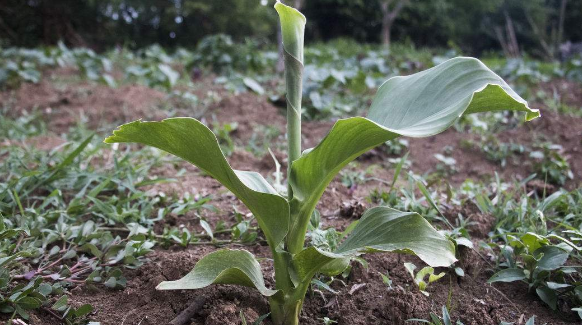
[
  {"x": 472, "y": 163},
  {"x": 247, "y": 112},
  {"x": 63, "y": 107},
  {"x": 364, "y": 298}
]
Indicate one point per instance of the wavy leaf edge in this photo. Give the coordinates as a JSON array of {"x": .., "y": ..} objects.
[
  {"x": 325, "y": 257},
  {"x": 252, "y": 181},
  {"x": 259, "y": 285},
  {"x": 307, "y": 192}
]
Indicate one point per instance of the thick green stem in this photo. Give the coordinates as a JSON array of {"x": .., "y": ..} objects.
[
  {"x": 292, "y": 30},
  {"x": 285, "y": 312},
  {"x": 285, "y": 309},
  {"x": 286, "y": 306},
  {"x": 293, "y": 140}
]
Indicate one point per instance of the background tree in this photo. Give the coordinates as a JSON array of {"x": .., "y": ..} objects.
[
  {"x": 390, "y": 10},
  {"x": 466, "y": 25},
  {"x": 547, "y": 24}
]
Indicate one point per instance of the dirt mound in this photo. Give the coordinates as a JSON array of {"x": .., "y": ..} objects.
[
  {"x": 247, "y": 110},
  {"x": 140, "y": 303},
  {"x": 569, "y": 91},
  {"x": 363, "y": 300},
  {"x": 95, "y": 104}
]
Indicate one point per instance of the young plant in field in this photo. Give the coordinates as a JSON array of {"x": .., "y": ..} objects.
[
  {"x": 535, "y": 260},
  {"x": 446, "y": 319},
  {"x": 435, "y": 320},
  {"x": 421, "y": 275},
  {"x": 418, "y": 105},
  {"x": 551, "y": 164}
]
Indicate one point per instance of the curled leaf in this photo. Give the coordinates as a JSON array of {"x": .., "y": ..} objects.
[
  {"x": 222, "y": 267},
  {"x": 419, "y": 105},
  {"x": 380, "y": 229},
  {"x": 192, "y": 141}
]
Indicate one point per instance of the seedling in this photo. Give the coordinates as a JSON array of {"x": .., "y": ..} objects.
[
  {"x": 418, "y": 105},
  {"x": 551, "y": 164},
  {"x": 419, "y": 277},
  {"x": 223, "y": 133},
  {"x": 435, "y": 320},
  {"x": 328, "y": 321},
  {"x": 447, "y": 165},
  {"x": 533, "y": 259},
  {"x": 446, "y": 319},
  {"x": 386, "y": 279},
  {"x": 258, "y": 321}
]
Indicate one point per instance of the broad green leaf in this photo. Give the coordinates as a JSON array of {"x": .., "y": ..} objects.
[
  {"x": 45, "y": 289},
  {"x": 335, "y": 267},
  {"x": 381, "y": 229},
  {"x": 384, "y": 229},
  {"x": 28, "y": 303},
  {"x": 312, "y": 260},
  {"x": 84, "y": 310},
  {"x": 222, "y": 267},
  {"x": 552, "y": 257},
  {"x": 459, "y": 271},
  {"x": 557, "y": 286},
  {"x": 192, "y": 141},
  {"x": 533, "y": 241},
  {"x": 462, "y": 241},
  {"x": 61, "y": 304},
  {"x": 507, "y": 275},
  {"x": 548, "y": 296},
  {"x": 419, "y": 105}
]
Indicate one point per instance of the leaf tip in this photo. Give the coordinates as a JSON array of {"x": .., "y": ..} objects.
[
  {"x": 288, "y": 11},
  {"x": 532, "y": 114},
  {"x": 165, "y": 285},
  {"x": 110, "y": 139},
  {"x": 115, "y": 137}
]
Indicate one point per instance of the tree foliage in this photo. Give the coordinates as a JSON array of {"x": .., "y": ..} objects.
[{"x": 468, "y": 25}]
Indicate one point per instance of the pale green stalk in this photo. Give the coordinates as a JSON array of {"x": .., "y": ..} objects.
[
  {"x": 285, "y": 308},
  {"x": 292, "y": 30}
]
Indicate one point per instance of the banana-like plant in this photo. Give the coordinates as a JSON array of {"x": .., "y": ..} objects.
[{"x": 419, "y": 105}]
